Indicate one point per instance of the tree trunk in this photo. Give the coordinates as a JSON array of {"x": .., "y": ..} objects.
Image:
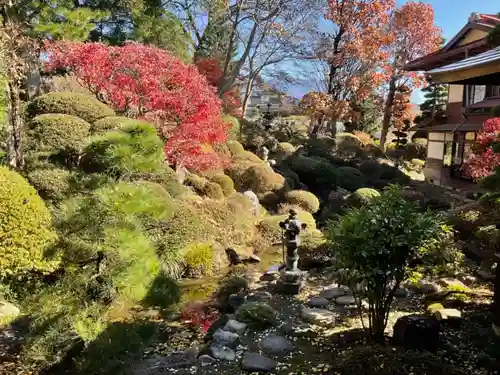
[
  {"x": 388, "y": 112},
  {"x": 14, "y": 126},
  {"x": 247, "y": 95}
]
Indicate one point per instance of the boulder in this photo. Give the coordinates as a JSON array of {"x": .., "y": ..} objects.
[
  {"x": 416, "y": 332},
  {"x": 205, "y": 360},
  {"x": 260, "y": 297},
  {"x": 163, "y": 364},
  {"x": 319, "y": 317},
  {"x": 226, "y": 338},
  {"x": 222, "y": 352},
  {"x": 333, "y": 293},
  {"x": 320, "y": 302},
  {"x": 219, "y": 323},
  {"x": 235, "y": 301},
  {"x": 275, "y": 345},
  {"x": 257, "y": 362},
  {"x": 468, "y": 280},
  {"x": 447, "y": 314},
  {"x": 402, "y": 293},
  {"x": 300, "y": 330},
  {"x": 255, "y": 201},
  {"x": 346, "y": 301},
  {"x": 257, "y": 314},
  {"x": 427, "y": 287},
  {"x": 449, "y": 282},
  {"x": 235, "y": 326}
]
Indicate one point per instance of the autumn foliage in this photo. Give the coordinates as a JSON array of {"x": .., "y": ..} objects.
[
  {"x": 484, "y": 160},
  {"x": 146, "y": 82}
]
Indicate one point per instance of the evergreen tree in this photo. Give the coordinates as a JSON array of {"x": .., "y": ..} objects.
[{"x": 434, "y": 105}]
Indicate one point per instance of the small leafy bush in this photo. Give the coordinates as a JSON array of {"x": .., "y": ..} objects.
[
  {"x": 26, "y": 231},
  {"x": 198, "y": 259},
  {"x": 378, "y": 244},
  {"x": 83, "y": 106},
  {"x": 212, "y": 190},
  {"x": 304, "y": 199},
  {"x": 234, "y": 126},
  {"x": 106, "y": 124},
  {"x": 416, "y": 149},
  {"x": 257, "y": 314},
  {"x": 225, "y": 183},
  {"x": 318, "y": 174},
  {"x": 235, "y": 147},
  {"x": 54, "y": 134},
  {"x": 350, "y": 178},
  {"x": 362, "y": 197},
  {"x": 52, "y": 184},
  {"x": 166, "y": 177},
  {"x": 258, "y": 177},
  {"x": 135, "y": 148}
]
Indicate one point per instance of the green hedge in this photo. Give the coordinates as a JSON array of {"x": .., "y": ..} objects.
[
  {"x": 105, "y": 124},
  {"x": 79, "y": 105},
  {"x": 362, "y": 197},
  {"x": 350, "y": 178},
  {"x": 51, "y": 184}
]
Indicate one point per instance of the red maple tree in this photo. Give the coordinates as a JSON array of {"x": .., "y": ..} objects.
[
  {"x": 484, "y": 160},
  {"x": 147, "y": 82},
  {"x": 212, "y": 70}
]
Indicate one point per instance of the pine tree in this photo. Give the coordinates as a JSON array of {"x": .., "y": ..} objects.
[{"x": 434, "y": 105}]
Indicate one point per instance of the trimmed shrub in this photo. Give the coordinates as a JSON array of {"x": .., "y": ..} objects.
[
  {"x": 83, "y": 106},
  {"x": 234, "y": 130},
  {"x": 285, "y": 148},
  {"x": 320, "y": 146},
  {"x": 26, "y": 227},
  {"x": 260, "y": 178},
  {"x": 371, "y": 169},
  {"x": 198, "y": 259},
  {"x": 212, "y": 190},
  {"x": 365, "y": 138},
  {"x": 350, "y": 178},
  {"x": 57, "y": 134},
  {"x": 51, "y": 184},
  {"x": 106, "y": 124},
  {"x": 235, "y": 147},
  {"x": 416, "y": 149},
  {"x": 310, "y": 241},
  {"x": 269, "y": 226},
  {"x": 257, "y": 314},
  {"x": 225, "y": 183},
  {"x": 165, "y": 177},
  {"x": 135, "y": 148},
  {"x": 304, "y": 199},
  {"x": 374, "y": 151},
  {"x": 247, "y": 156},
  {"x": 316, "y": 173},
  {"x": 362, "y": 197}
]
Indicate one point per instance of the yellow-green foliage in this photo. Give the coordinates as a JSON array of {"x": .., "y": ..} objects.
[
  {"x": 225, "y": 183},
  {"x": 57, "y": 133},
  {"x": 247, "y": 156},
  {"x": 198, "y": 259},
  {"x": 362, "y": 197},
  {"x": 234, "y": 123},
  {"x": 134, "y": 148},
  {"x": 311, "y": 240},
  {"x": 258, "y": 177},
  {"x": 83, "y": 106},
  {"x": 432, "y": 308},
  {"x": 418, "y": 162},
  {"x": 51, "y": 184},
  {"x": 212, "y": 190},
  {"x": 235, "y": 147},
  {"x": 270, "y": 230},
  {"x": 196, "y": 182},
  {"x": 25, "y": 226},
  {"x": 285, "y": 149},
  {"x": 166, "y": 177},
  {"x": 348, "y": 140},
  {"x": 304, "y": 199},
  {"x": 105, "y": 124}
]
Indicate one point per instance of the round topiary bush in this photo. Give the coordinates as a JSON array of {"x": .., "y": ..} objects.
[
  {"x": 83, "y": 106},
  {"x": 57, "y": 133},
  {"x": 350, "y": 178},
  {"x": 225, "y": 183},
  {"x": 258, "y": 177},
  {"x": 247, "y": 156},
  {"x": 235, "y": 147},
  {"x": 304, "y": 199},
  {"x": 286, "y": 148},
  {"x": 51, "y": 184},
  {"x": 370, "y": 169},
  {"x": 105, "y": 124},
  {"x": 198, "y": 259},
  {"x": 26, "y": 227},
  {"x": 212, "y": 190},
  {"x": 362, "y": 197},
  {"x": 166, "y": 177}
]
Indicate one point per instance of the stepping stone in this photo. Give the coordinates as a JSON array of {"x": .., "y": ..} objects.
[
  {"x": 257, "y": 362},
  {"x": 318, "y": 302},
  {"x": 334, "y": 293},
  {"x": 429, "y": 287},
  {"x": 468, "y": 280},
  {"x": 346, "y": 301},
  {"x": 402, "y": 293},
  {"x": 301, "y": 330},
  {"x": 449, "y": 282},
  {"x": 275, "y": 345},
  {"x": 260, "y": 297},
  {"x": 319, "y": 317},
  {"x": 222, "y": 352},
  {"x": 235, "y": 326},
  {"x": 226, "y": 338},
  {"x": 205, "y": 360}
]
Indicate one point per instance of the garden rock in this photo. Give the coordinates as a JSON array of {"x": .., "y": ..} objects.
[
  {"x": 321, "y": 302},
  {"x": 468, "y": 280},
  {"x": 226, "y": 338},
  {"x": 254, "y": 259},
  {"x": 447, "y": 314},
  {"x": 257, "y": 362},
  {"x": 301, "y": 330},
  {"x": 346, "y": 300},
  {"x": 260, "y": 297},
  {"x": 402, "y": 293},
  {"x": 334, "y": 293},
  {"x": 255, "y": 201},
  {"x": 235, "y": 326},
  {"x": 416, "y": 332},
  {"x": 223, "y": 353},
  {"x": 427, "y": 287},
  {"x": 8, "y": 310},
  {"x": 219, "y": 323},
  {"x": 235, "y": 301},
  {"x": 205, "y": 360},
  {"x": 319, "y": 317},
  {"x": 175, "y": 360},
  {"x": 275, "y": 345},
  {"x": 448, "y": 282}
]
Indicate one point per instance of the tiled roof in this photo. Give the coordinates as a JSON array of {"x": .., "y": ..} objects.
[{"x": 478, "y": 60}]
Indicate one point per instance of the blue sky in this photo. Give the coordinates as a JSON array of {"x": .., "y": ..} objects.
[{"x": 451, "y": 16}]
